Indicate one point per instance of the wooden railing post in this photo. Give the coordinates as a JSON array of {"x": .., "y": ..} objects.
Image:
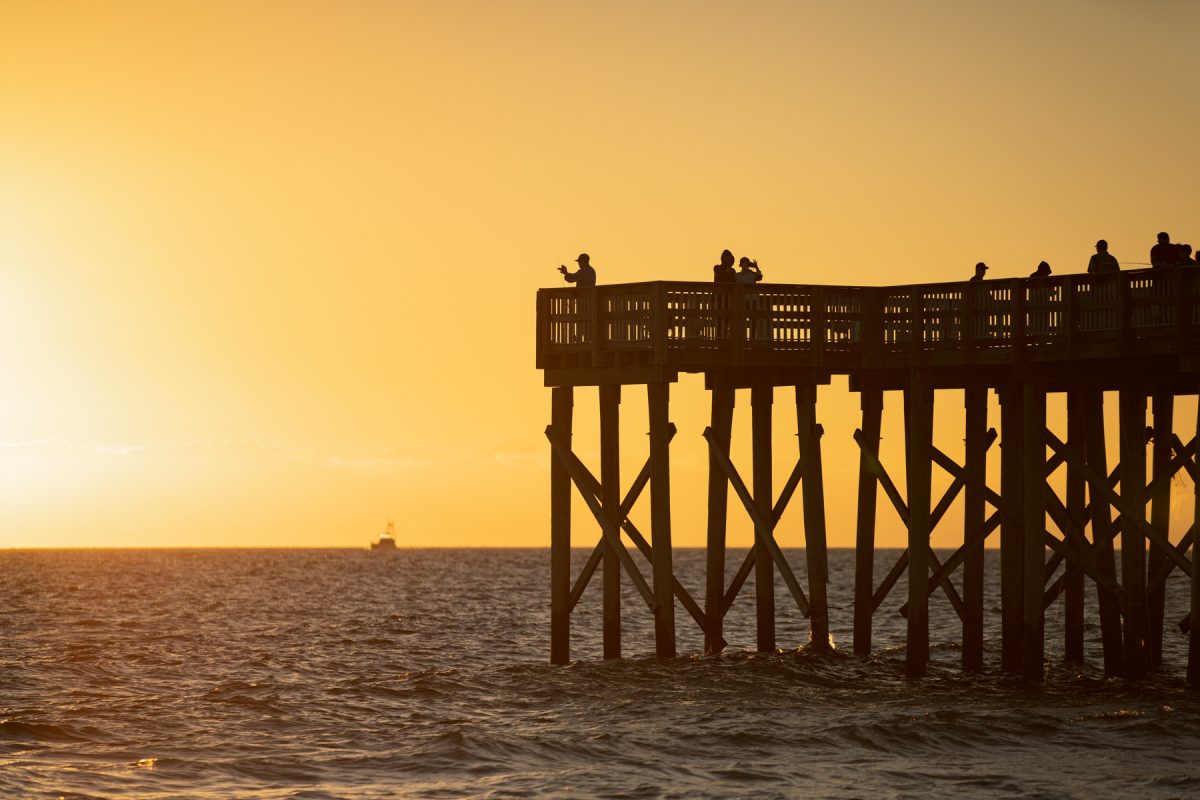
[
  {"x": 1017, "y": 320},
  {"x": 737, "y": 318},
  {"x": 1183, "y": 307},
  {"x": 659, "y": 322},
  {"x": 1071, "y": 316},
  {"x": 1125, "y": 312},
  {"x": 818, "y": 325},
  {"x": 594, "y": 293},
  {"x": 916, "y": 327},
  {"x": 969, "y": 311},
  {"x": 871, "y": 328}
]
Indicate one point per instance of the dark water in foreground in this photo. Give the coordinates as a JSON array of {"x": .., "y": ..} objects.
[{"x": 423, "y": 674}]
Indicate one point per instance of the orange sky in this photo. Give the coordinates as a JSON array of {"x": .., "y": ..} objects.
[{"x": 267, "y": 270}]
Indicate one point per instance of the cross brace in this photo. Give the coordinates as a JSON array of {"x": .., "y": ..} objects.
[{"x": 763, "y": 528}]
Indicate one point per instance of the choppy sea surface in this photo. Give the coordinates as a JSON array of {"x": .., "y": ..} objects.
[{"x": 423, "y": 673}]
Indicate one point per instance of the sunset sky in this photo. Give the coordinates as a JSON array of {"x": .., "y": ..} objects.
[{"x": 267, "y": 270}]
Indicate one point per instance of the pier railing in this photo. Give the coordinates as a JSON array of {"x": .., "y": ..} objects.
[{"x": 695, "y": 326}]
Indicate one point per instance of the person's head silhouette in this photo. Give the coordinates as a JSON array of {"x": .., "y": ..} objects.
[
  {"x": 584, "y": 260},
  {"x": 980, "y": 268},
  {"x": 726, "y": 258},
  {"x": 1101, "y": 246},
  {"x": 1164, "y": 238}
]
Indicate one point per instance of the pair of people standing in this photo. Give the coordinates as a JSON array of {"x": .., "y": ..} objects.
[{"x": 725, "y": 273}]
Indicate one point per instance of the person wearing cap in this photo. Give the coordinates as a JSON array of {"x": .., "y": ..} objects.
[
  {"x": 1103, "y": 261},
  {"x": 584, "y": 276},
  {"x": 980, "y": 268}
]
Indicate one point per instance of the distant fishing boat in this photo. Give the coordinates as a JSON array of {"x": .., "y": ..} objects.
[{"x": 388, "y": 540}]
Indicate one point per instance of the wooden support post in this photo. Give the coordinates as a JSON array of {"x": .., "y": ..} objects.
[
  {"x": 1077, "y": 511},
  {"x": 1133, "y": 540},
  {"x": 868, "y": 491},
  {"x": 610, "y": 488},
  {"x": 718, "y": 506},
  {"x": 918, "y": 408},
  {"x": 761, "y": 398},
  {"x": 1102, "y": 531},
  {"x": 975, "y": 400},
  {"x": 1011, "y": 532},
  {"x": 1034, "y": 519},
  {"x": 1160, "y": 516},
  {"x": 813, "y": 494},
  {"x": 658, "y": 398},
  {"x": 1193, "y": 665},
  {"x": 561, "y": 408}
]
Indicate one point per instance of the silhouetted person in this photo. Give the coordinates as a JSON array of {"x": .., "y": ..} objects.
[
  {"x": 749, "y": 271},
  {"x": 1042, "y": 271},
  {"x": 1102, "y": 261},
  {"x": 584, "y": 276},
  {"x": 1163, "y": 254},
  {"x": 724, "y": 272},
  {"x": 980, "y": 268},
  {"x": 1184, "y": 257}
]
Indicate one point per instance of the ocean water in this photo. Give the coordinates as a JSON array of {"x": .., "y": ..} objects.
[{"x": 423, "y": 673}]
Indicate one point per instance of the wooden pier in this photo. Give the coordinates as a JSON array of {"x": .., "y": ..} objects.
[{"x": 1134, "y": 333}]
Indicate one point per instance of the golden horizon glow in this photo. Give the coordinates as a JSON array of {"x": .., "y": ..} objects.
[{"x": 267, "y": 270}]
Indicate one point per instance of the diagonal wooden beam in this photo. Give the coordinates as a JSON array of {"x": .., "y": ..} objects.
[
  {"x": 889, "y": 488},
  {"x": 739, "y": 578},
  {"x": 585, "y": 574},
  {"x": 1012, "y": 512},
  {"x": 947, "y": 569},
  {"x": 766, "y": 539},
  {"x": 585, "y": 481},
  {"x": 1102, "y": 580},
  {"x": 1151, "y": 533},
  {"x": 1088, "y": 555},
  {"x": 684, "y": 598},
  {"x": 631, "y": 498},
  {"x": 1182, "y": 450},
  {"x": 901, "y": 507},
  {"x": 1160, "y": 577}
]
